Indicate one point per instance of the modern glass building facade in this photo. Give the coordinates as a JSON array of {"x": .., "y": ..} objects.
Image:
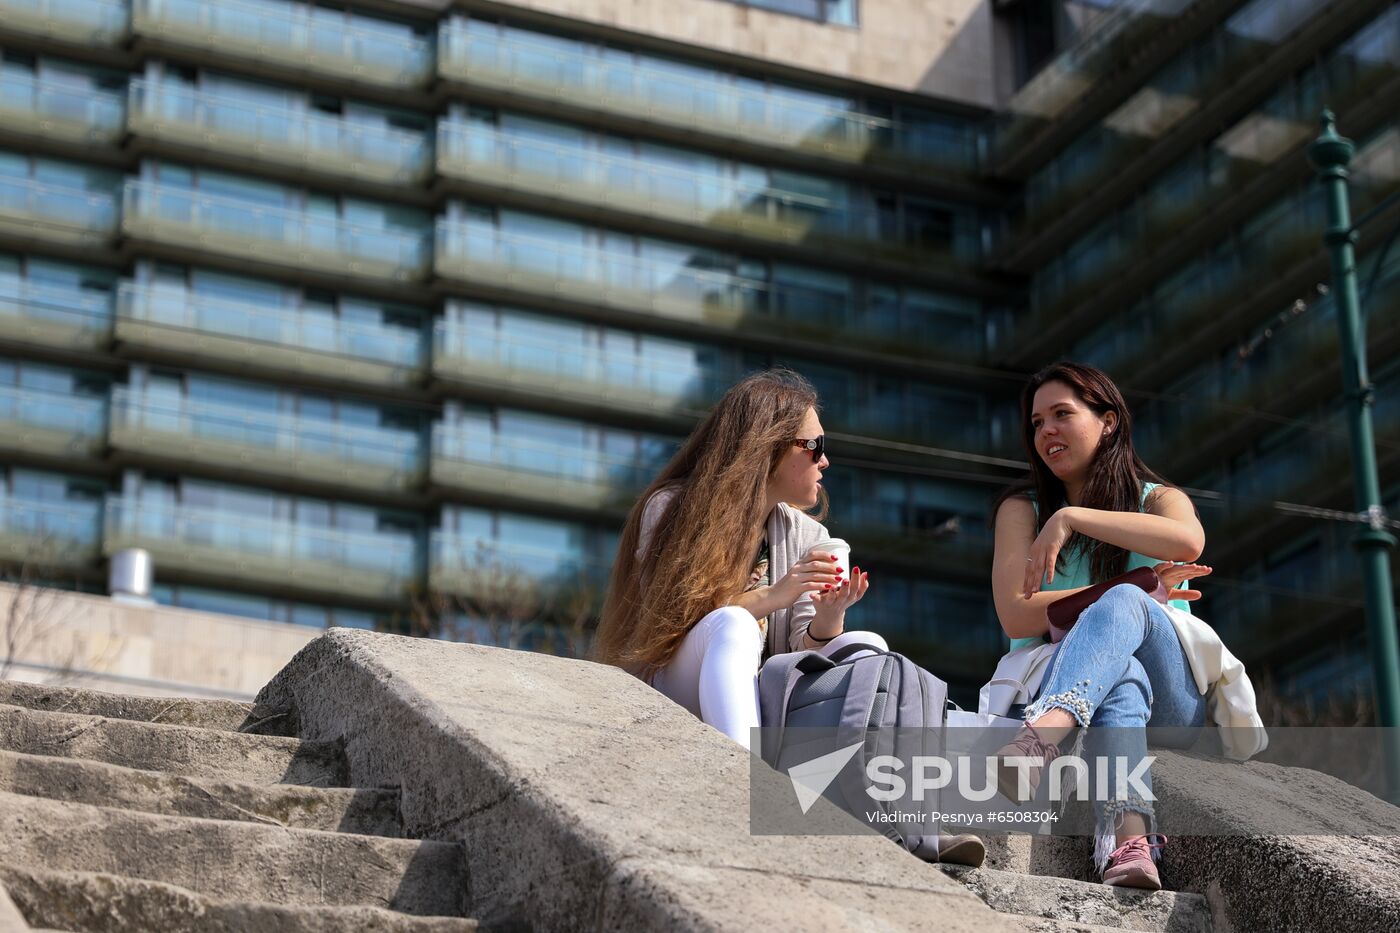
[{"x": 381, "y": 314}]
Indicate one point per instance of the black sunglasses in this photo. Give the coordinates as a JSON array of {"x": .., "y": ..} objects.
[{"x": 816, "y": 445}]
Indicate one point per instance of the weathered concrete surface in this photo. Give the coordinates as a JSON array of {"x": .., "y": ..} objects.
[
  {"x": 372, "y": 812},
  {"x": 234, "y": 860},
  {"x": 230, "y": 715},
  {"x": 1339, "y": 869},
  {"x": 1086, "y": 902},
  {"x": 588, "y": 801},
  {"x": 100, "y": 903},
  {"x": 193, "y": 752},
  {"x": 10, "y": 919}
]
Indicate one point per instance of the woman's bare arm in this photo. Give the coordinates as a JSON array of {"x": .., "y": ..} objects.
[
  {"x": 1015, "y": 531},
  {"x": 1167, "y": 530}
]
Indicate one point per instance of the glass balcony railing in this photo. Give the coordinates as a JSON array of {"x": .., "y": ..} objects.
[
  {"x": 281, "y": 235},
  {"x": 54, "y": 316},
  {"x": 49, "y": 532},
  {"x": 291, "y": 35},
  {"x": 59, "y": 213},
  {"x": 676, "y": 289},
  {"x": 264, "y": 441},
  {"x": 187, "y": 116},
  {"x": 499, "y": 464},
  {"x": 90, "y": 22},
  {"x": 573, "y": 369},
  {"x": 468, "y": 565},
  {"x": 46, "y": 108},
  {"x": 298, "y": 340},
  {"x": 483, "y": 154},
  {"x": 751, "y": 111},
  {"x": 51, "y": 423},
  {"x": 279, "y": 552}
]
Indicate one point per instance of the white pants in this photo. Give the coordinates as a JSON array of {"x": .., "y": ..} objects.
[{"x": 715, "y": 672}]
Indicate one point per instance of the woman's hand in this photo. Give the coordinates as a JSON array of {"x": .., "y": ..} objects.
[
  {"x": 1045, "y": 551},
  {"x": 817, "y": 572},
  {"x": 830, "y": 617},
  {"x": 1172, "y": 574}
]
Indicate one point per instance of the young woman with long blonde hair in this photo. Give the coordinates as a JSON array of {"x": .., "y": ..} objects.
[{"x": 719, "y": 564}]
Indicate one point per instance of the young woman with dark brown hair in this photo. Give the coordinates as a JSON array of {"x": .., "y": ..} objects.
[
  {"x": 1091, "y": 510},
  {"x": 720, "y": 565}
]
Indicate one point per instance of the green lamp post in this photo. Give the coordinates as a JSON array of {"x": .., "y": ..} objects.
[{"x": 1331, "y": 154}]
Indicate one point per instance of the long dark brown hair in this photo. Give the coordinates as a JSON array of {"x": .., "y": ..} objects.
[
  {"x": 701, "y": 551},
  {"x": 1116, "y": 475}
]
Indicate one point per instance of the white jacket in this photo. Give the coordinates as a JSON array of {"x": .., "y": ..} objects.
[{"x": 1220, "y": 677}]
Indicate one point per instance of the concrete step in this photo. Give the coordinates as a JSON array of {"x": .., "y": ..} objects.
[
  {"x": 370, "y": 812},
  {"x": 87, "y": 902},
  {"x": 1050, "y": 898},
  {"x": 228, "y": 715},
  {"x": 235, "y": 861},
  {"x": 193, "y": 752}
]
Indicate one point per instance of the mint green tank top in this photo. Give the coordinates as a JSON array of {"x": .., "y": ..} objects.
[{"x": 1075, "y": 572}]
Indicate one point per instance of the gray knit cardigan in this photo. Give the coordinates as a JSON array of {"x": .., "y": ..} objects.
[{"x": 791, "y": 534}]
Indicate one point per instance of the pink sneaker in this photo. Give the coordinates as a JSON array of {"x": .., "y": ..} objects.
[
  {"x": 1027, "y": 744},
  {"x": 1131, "y": 864}
]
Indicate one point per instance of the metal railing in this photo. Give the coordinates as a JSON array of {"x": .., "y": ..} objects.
[
  {"x": 98, "y": 109},
  {"x": 305, "y": 134},
  {"x": 278, "y": 433},
  {"x": 670, "y": 381},
  {"x": 667, "y": 187},
  {"x": 99, "y": 22},
  {"x": 51, "y": 524},
  {"x": 81, "y": 415},
  {"x": 271, "y": 224},
  {"x": 72, "y": 209},
  {"x": 69, "y": 307},
  {"x": 574, "y": 462},
  {"x": 472, "y": 559},
  {"x": 718, "y": 102},
  {"x": 158, "y": 522},
  {"x": 184, "y": 309},
  {"x": 284, "y": 30}
]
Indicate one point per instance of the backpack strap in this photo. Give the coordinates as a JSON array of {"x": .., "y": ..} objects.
[
  {"x": 775, "y": 684},
  {"x": 855, "y": 723}
]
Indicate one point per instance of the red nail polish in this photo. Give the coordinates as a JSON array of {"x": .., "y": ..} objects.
[
  {"x": 833, "y": 556},
  {"x": 826, "y": 586}
]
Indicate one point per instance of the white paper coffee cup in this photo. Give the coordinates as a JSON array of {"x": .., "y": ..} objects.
[{"x": 841, "y": 550}]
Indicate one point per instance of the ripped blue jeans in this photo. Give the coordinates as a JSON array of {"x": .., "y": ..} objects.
[{"x": 1122, "y": 668}]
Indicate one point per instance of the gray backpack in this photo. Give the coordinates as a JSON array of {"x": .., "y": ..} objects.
[{"x": 864, "y": 697}]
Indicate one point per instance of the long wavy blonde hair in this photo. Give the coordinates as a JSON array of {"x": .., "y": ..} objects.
[{"x": 701, "y": 551}]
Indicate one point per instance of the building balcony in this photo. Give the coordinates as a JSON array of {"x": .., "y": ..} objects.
[
  {"x": 193, "y": 223},
  {"x": 682, "y": 287},
  {"x": 493, "y": 572},
  {"x": 692, "y": 102},
  {"x": 264, "y": 444},
  {"x": 51, "y": 424},
  {"x": 537, "y": 367},
  {"x": 288, "y": 36},
  {"x": 39, "y": 535},
  {"x": 30, "y": 107},
  {"x": 487, "y": 464},
  {"x": 313, "y": 142},
  {"x": 51, "y": 316},
  {"x": 184, "y": 325},
  {"x": 487, "y": 156},
  {"x": 86, "y": 22},
  {"x": 278, "y": 554},
  {"x": 38, "y": 212},
  {"x": 544, "y": 267}
]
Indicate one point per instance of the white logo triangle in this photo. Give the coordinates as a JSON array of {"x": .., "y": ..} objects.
[{"x": 811, "y": 778}]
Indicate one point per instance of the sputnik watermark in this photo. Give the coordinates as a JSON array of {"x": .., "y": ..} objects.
[{"x": 932, "y": 773}]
